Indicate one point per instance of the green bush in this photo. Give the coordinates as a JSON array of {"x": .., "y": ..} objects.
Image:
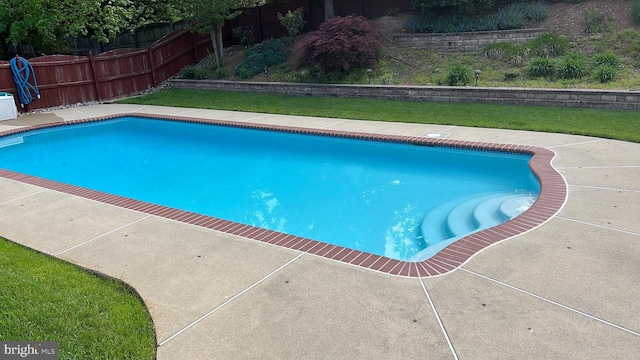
[
  {"x": 608, "y": 58},
  {"x": 221, "y": 73},
  {"x": 262, "y": 56},
  {"x": 605, "y": 73},
  {"x": 541, "y": 67},
  {"x": 635, "y": 11},
  {"x": 245, "y": 73},
  {"x": 548, "y": 44},
  {"x": 572, "y": 66},
  {"x": 512, "y": 16},
  {"x": 511, "y": 74},
  {"x": 194, "y": 72},
  {"x": 243, "y": 36},
  {"x": 458, "y": 75},
  {"x": 594, "y": 20},
  {"x": 293, "y": 21}
]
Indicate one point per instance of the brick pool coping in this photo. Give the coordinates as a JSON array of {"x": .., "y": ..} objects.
[{"x": 553, "y": 193}]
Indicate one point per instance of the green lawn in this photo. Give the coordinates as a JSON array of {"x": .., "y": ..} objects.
[
  {"x": 613, "y": 124},
  {"x": 47, "y": 299}
]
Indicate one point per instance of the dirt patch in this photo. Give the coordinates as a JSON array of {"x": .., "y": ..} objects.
[{"x": 570, "y": 19}]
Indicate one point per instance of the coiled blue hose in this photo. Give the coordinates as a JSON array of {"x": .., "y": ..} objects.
[{"x": 26, "y": 92}]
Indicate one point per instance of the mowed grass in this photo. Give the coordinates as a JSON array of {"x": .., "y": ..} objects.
[
  {"x": 613, "y": 124},
  {"x": 47, "y": 299}
]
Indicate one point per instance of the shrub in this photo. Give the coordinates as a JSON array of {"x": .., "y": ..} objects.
[
  {"x": 594, "y": 21},
  {"x": 293, "y": 21},
  {"x": 548, "y": 44},
  {"x": 194, "y": 72},
  {"x": 458, "y": 75},
  {"x": 264, "y": 55},
  {"x": 541, "y": 67},
  {"x": 572, "y": 66},
  {"x": 511, "y": 74},
  {"x": 635, "y": 11},
  {"x": 513, "y": 16},
  {"x": 221, "y": 73},
  {"x": 340, "y": 44},
  {"x": 243, "y": 35},
  {"x": 607, "y": 58},
  {"x": 245, "y": 73},
  {"x": 605, "y": 73}
]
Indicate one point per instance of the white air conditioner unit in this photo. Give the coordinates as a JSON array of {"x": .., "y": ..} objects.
[{"x": 8, "y": 109}]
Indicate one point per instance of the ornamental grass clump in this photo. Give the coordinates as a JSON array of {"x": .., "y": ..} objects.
[
  {"x": 340, "y": 44},
  {"x": 458, "y": 75},
  {"x": 572, "y": 66},
  {"x": 542, "y": 67}
]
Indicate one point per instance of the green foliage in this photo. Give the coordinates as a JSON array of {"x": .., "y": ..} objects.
[
  {"x": 340, "y": 44},
  {"x": 594, "y": 21},
  {"x": 608, "y": 58},
  {"x": 511, "y": 74},
  {"x": 194, "y": 72},
  {"x": 208, "y": 17},
  {"x": 512, "y": 16},
  {"x": 221, "y": 73},
  {"x": 262, "y": 56},
  {"x": 624, "y": 42},
  {"x": 635, "y": 11},
  {"x": 293, "y": 21},
  {"x": 548, "y": 44},
  {"x": 572, "y": 66},
  {"x": 501, "y": 51},
  {"x": 245, "y": 73},
  {"x": 542, "y": 67},
  {"x": 243, "y": 36},
  {"x": 458, "y": 75},
  {"x": 605, "y": 73}
]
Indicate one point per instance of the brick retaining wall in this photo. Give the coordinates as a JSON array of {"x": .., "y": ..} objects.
[
  {"x": 596, "y": 99},
  {"x": 466, "y": 41}
]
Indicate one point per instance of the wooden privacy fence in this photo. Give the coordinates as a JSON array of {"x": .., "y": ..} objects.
[
  {"x": 264, "y": 23},
  {"x": 68, "y": 80}
]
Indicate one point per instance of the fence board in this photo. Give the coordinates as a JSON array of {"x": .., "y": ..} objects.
[{"x": 68, "y": 80}]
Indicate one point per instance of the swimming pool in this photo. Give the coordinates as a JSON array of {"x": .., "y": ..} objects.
[{"x": 267, "y": 201}]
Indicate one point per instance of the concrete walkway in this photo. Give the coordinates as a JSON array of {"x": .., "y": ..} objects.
[{"x": 569, "y": 289}]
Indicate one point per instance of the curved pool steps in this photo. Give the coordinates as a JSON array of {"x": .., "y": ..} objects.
[{"x": 464, "y": 216}]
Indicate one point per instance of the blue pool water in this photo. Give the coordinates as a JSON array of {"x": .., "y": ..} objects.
[{"x": 389, "y": 199}]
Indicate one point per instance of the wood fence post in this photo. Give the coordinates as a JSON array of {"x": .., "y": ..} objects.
[
  {"x": 194, "y": 43},
  {"x": 260, "y": 24},
  {"x": 154, "y": 81},
  {"x": 96, "y": 81}
]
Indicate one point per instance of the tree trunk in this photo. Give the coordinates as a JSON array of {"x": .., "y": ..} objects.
[
  {"x": 218, "y": 46},
  {"x": 328, "y": 10}
]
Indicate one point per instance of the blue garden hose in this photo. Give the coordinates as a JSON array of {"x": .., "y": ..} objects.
[{"x": 27, "y": 92}]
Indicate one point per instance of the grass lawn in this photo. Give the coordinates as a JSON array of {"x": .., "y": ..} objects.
[
  {"x": 47, "y": 299},
  {"x": 613, "y": 124}
]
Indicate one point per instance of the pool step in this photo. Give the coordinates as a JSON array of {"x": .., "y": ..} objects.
[
  {"x": 487, "y": 211},
  {"x": 464, "y": 216}
]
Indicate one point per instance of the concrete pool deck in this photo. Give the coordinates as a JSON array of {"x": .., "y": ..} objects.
[{"x": 567, "y": 289}]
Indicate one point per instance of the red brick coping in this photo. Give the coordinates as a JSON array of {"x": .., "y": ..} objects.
[{"x": 553, "y": 193}]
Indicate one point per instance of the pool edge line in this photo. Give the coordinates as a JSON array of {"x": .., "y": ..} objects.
[{"x": 553, "y": 196}]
